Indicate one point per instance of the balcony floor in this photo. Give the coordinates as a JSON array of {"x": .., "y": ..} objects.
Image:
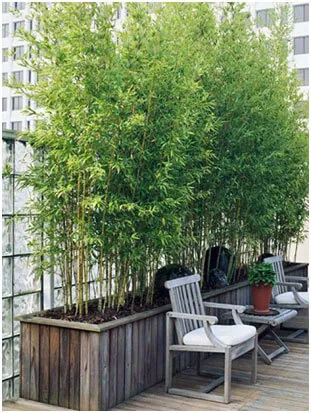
[{"x": 282, "y": 386}]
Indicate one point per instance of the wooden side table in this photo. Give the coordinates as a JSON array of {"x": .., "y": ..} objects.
[{"x": 266, "y": 324}]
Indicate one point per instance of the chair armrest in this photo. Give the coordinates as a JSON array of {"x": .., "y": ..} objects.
[
  {"x": 239, "y": 308},
  {"x": 187, "y": 316},
  {"x": 207, "y": 320},
  {"x": 297, "y": 286}
]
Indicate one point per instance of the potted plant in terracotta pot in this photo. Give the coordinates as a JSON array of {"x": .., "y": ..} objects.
[{"x": 262, "y": 279}]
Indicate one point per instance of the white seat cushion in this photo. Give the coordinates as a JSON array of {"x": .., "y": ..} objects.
[
  {"x": 229, "y": 335},
  {"x": 288, "y": 298}
]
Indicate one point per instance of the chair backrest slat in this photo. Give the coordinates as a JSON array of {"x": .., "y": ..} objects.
[
  {"x": 190, "y": 301},
  {"x": 277, "y": 265},
  {"x": 186, "y": 297}
]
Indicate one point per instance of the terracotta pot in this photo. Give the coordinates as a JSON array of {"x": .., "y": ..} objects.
[{"x": 261, "y": 297}]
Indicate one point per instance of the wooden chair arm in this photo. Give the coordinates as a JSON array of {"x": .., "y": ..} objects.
[
  {"x": 187, "y": 316},
  {"x": 207, "y": 320},
  {"x": 239, "y": 308},
  {"x": 296, "y": 286},
  {"x": 292, "y": 277}
]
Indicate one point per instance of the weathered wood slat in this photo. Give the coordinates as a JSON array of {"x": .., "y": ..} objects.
[
  {"x": 64, "y": 360},
  {"x": 141, "y": 355},
  {"x": 54, "y": 366},
  {"x": 160, "y": 347},
  {"x": 113, "y": 370},
  {"x": 104, "y": 369},
  {"x": 44, "y": 371},
  {"x": 154, "y": 349},
  {"x": 25, "y": 340},
  {"x": 94, "y": 372},
  {"x": 128, "y": 360},
  {"x": 147, "y": 364},
  {"x": 34, "y": 363},
  {"x": 135, "y": 359},
  {"x": 74, "y": 381},
  {"x": 84, "y": 371},
  {"x": 121, "y": 364}
]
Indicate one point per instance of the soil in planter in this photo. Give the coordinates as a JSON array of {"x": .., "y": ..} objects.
[{"x": 96, "y": 317}]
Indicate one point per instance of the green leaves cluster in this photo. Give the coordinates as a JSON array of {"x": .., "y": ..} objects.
[
  {"x": 157, "y": 140},
  {"x": 262, "y": 273}
]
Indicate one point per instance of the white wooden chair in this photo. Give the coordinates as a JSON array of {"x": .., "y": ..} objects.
[
  {"x": 285, "y": 294},
  {"x": 198, "y": 332}
]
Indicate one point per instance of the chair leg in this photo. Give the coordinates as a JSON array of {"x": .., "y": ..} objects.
[
  {"x": 198, "y": 364},
  {"x": 168, "y": 355},
  {"x": 254, "y": 362},
  {"x": 227, "y": 387},
  {"x": 168, "y": 370}
]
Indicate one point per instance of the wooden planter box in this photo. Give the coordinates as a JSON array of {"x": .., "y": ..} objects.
[{"x": 95, "y": 367}]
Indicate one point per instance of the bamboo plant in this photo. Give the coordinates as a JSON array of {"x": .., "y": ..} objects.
[{"x": 157, "y": 140}]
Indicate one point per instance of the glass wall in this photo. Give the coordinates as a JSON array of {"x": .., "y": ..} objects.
[{"x": 22, "y": 291}]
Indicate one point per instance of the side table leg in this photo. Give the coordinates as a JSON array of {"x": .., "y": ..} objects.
[
  {"x": 267, "y": 358},
  {"x": 278, "y": 340},
  {"x": 264, "y": 355}
]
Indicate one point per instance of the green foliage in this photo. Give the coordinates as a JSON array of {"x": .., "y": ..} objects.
[
  {"x": 261, "y": 273},
  {"x": 158, "y": 140}
]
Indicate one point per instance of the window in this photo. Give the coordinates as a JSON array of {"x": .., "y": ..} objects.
[
  {"x": 17, "y": 126},
  {"x": 18, "y": 76},
  {"x": 29, "y": 76},
  {"x": 19, "y": 5},
  {"x": 3, "y": 125},
  {"x": 263, "y": 19},
  {"x": 30, "y": 25},
  {"x": 17, "y": 103},
  {"x": 19, "y": 25},
  {"x": 5, "y": 7},
  {"x": 303, "y": 76},
  {"x": 18, "y": 52},
  {"x": 4, "y": 104},
  {"x": 4, "y": 77},
  {"x": 5, "y": 57},
  {"x": 5, "y": 30},
  {"x": 28, "y": 124},
  {"x": 301, "y": 45},
  {"x": 301, "y": 13}
]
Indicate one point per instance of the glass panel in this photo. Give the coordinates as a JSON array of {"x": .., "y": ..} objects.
[
  {"x": 57, "y": 277},
  {"x": 7, "y": 195},
  {"x": 7, "y": 154},
  {"x": 25, "y": 278},
  {"x": 7, "y": 390},
  {"x": 22, "y": 196},
  {"x": 7, "y": 234},
  {"x": 298, "y": 14},
  {"x": 6, "y": 317},
  {"x": 16, "y": 355},
  {"x": 6, "y": 359},
  {"x": 21, "y": 236},
  {"x": 6, "y": 276},
  {"x": 23, "y": 154},
  {"x": 24, "y": 305},
  {"x": 58, "y": 297},
  {"x": 16, "y": 388}
]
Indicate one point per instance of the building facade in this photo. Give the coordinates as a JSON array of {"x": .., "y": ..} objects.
[{"x": 12, "y": 49}]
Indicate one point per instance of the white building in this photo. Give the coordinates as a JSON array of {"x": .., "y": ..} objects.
[
  {"x": 13, "y": 104},
  {"x": 300, "y": 35}
]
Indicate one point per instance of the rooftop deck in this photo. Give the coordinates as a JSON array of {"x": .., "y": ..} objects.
[{"x": 282, "y": 386}]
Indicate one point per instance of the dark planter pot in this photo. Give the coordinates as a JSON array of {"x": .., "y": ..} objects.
[
  {"x": 84, "y": 366},
  {"x": 261, "y": 297}
]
